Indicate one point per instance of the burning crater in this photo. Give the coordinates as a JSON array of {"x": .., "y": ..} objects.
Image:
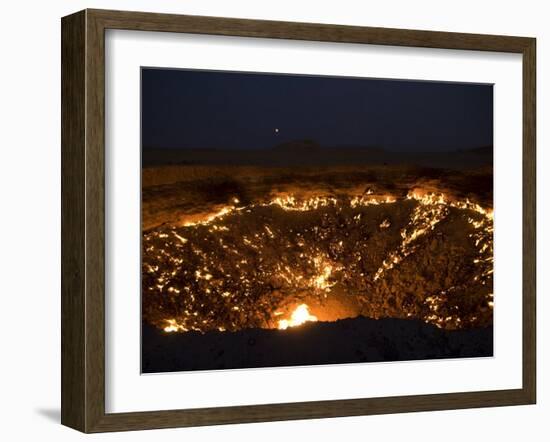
[{"x": 285, "y": 261}]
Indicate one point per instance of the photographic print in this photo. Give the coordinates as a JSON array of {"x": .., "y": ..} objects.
[{"x": 294, "y": 220}]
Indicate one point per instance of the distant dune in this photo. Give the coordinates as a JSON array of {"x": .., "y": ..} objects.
[{"x": 305, "y": 153}]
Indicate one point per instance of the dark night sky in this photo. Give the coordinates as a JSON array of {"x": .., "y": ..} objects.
[{"x": 205, "y": 109}]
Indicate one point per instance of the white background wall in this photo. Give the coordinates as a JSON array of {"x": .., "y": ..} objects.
[{"x": 30, "y": 216}]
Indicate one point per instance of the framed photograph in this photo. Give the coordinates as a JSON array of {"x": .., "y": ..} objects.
[{"x": 269, "y": 220}]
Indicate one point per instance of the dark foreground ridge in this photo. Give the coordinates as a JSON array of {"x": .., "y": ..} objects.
[{"x": 344, "y": 341}]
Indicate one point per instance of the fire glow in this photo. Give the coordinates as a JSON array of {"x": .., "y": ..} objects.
[
  {"x": 235, "y": 267},
  {"x": 298, "y": 317}
]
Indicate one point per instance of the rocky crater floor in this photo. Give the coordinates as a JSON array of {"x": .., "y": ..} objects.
[{"x": 384, "y": 243}]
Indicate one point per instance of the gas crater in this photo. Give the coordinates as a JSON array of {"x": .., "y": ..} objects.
[{"x": 285, "y": 261}]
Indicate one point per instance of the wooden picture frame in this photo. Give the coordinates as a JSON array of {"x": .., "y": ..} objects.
[{"x": 83, "y": 216}]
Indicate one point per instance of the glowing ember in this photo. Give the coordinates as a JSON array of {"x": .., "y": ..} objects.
[
  {"x": 173, "y": 326},
  {"x": 298, "y": 317},
  {"x": 292, "y": 203}
]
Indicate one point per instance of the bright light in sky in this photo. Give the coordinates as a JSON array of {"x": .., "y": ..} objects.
[{"x": 276, "y": 130}]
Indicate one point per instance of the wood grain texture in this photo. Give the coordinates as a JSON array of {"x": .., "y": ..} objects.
[
  {"x": 95, "y": 222},
  {"x": 73, "y": 129},
  {"x": 83, "y": 218},
  {"x": 144, "y": 21},
  {"x": 529, "y": 221}
]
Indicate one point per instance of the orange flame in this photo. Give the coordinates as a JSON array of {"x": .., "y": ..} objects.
[{"x": 298, "y": 317}]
